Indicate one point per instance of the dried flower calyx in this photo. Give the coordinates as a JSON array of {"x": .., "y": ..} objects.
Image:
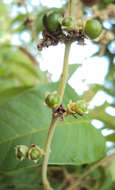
[
  {"x": 80, "y": 107},
  {"x": 21, "y": 152},
  {"x": 32, "y": 153},
  {"x": 66, "y": 36},
  {"x": 106, "y": 37}
]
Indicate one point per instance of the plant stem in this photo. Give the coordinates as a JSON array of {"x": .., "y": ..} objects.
[
  {"x": 101, "y": 162},
  {"x": 65, "y": 71},
  {"x": 102, "y": 50},
  {"x": 71, "y": 7},
  {"x": 47, "y": 152},
  {"x": 51, "y": 130}
]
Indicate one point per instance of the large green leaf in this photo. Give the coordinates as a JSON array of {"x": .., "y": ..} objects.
[
  {"x": 26, "y": 179},
  {"x": 22, "y": 179},
  {"x": 17, "y": 68},
  {"x": 9, "y": 93},
  {"x": 25, "y": 119}
]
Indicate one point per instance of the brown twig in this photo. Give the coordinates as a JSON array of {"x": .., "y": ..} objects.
[
  {"x": 101, "y": 162},
  {"x": 30, "y": 56}
]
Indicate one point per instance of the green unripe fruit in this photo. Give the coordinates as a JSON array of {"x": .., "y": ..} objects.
[
  {"x": 21, "y": 152},
  {"x": 68, "y": 23},
  {"x": 81, "y": 107},
  {"x": 51, "y": 21},
  {"x": 93, "y": 28},
  {"x": 52, "y": 100},
  {"x": 34, "y": 153}
]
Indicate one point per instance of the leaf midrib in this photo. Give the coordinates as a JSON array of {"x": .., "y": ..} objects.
[{"x": 42, "y": 129}]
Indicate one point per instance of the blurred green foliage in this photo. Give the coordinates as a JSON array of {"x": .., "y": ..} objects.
[{"x": 20, "y": 70}]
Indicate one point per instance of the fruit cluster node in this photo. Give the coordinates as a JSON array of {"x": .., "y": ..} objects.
[{"x": 63, "y": 37}]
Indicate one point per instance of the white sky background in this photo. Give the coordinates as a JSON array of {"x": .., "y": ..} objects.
[{"x": 93, "y": 70}]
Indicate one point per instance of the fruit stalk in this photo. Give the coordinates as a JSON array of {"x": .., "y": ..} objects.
[
  {"x": 47, "y": 150},
  {"x": 65, "y": 72},
  {"x": 71, "y": 7}
]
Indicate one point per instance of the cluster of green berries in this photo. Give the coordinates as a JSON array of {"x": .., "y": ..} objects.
[
  {"x": 54, "y": 22},
  {"x": 32, "y": 153}
]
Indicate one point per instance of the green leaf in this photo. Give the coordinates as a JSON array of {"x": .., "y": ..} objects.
[
  {"x": 18, "y": 67},
  {"x": 21, "y": 180},
  {"x": 25, "y": 120},
  {"x": 20, "y": 29},
  {"x": 110, "y": 137},
  {"x": 27, "y": 178},
  {"x": 7, "y": 84},
  {"x": 111, "y": 74},
  {"x": 72, "y": 68},
  {"x": 19, "y": 18},
  {"x": 107, "y": 185},
  {"x": 100, "y": 114},
  {"x": 111, "y": 169},
  {"x": 91, "y": 92},
  {"x": 4, "y": 21},
  {"x": 9, "y": 93}
]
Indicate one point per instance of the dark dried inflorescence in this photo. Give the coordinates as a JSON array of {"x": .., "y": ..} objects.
[
  {"x": 48, "y": 40},
  {"x": 59, "y": 112},
  {"x": 63, "y": 37}
]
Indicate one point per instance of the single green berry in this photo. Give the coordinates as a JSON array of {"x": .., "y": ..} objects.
[
  {"x": 52, "y": 100},
  {"x": 93, "y": 28},
  {"x": 81, "y": 107},
  {"x": 21, "y": 152},
  {"x": 34, "y": 153},
  {"x": 51, "y": 21},
  {"x": 68, "y": 23}
]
